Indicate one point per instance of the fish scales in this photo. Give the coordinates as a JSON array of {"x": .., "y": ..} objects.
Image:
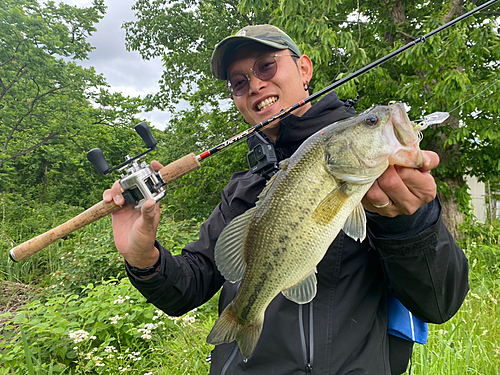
[
  {"x": 290, "y": 211},
  {"x": 275, "y": 246}
]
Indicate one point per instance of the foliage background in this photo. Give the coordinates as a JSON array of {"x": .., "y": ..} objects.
[{"x": 52, "y": 111}]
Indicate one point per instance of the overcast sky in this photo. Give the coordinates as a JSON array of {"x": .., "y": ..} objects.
[{"x": 125, "y": 71}]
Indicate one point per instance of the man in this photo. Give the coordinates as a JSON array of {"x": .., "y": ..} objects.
[{"x": 344, "y": 330}]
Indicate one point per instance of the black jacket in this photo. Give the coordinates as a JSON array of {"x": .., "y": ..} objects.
[{"x": 344, "y": 329}]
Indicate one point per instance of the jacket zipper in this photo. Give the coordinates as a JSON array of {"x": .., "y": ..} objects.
[
  {"x": 229, "y": 360},
  {"x": 307, "y": 354}
]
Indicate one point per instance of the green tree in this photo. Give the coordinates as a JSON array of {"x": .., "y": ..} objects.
[
  {"x": 39, "y": 89},
  {"x": 454, "y": 71},
  {"x": 196, "y": 194},
  {"x": 52, "y": 111}
]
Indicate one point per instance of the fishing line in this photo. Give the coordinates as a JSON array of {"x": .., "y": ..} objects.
[{"x": 475, "y": 96}]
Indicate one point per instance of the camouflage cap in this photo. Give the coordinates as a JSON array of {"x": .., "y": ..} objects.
[{"x": 264, "y": 34}]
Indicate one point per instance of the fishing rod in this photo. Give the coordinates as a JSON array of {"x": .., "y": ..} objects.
[
  {"x": 142, "y": 183},
  {"x": 285, "y": 112}
]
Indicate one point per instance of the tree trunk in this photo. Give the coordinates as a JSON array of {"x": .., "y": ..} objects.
[
  {"x": 451, "y": 215},
  {"x": 449, "y": 156}
]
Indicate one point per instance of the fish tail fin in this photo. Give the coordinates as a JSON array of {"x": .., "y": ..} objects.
[
  {"x": 248, "y": 337},
  {"x": 227, "y": 329}
]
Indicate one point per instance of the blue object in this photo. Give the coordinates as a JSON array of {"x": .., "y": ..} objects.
[{"x": 403, "y": 324}]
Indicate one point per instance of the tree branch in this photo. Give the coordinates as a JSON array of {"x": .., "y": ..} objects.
[
  {"x": 41, "y": 143},
  {"x": 30, "y": 110},
  {"x": 20, "y": 75},
  {"x": 12, "y": 57},
  {"x": 326, "y": 8},
  {"x": 455, "y": 11},
  {"x": 228, "y": 2}
]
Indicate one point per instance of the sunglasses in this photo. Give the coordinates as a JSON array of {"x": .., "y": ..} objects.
[{"x": 264, "y": 68}]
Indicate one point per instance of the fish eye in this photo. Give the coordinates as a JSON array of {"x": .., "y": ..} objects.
[{"x": 371, "y": 120}]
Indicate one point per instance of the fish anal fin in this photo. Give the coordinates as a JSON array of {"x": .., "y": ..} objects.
[
  {"x": 304, "y": 291},
  {"x": 355, "y": 225},
  {"x": 329, "y": 207},
  {"x": 225, "y": 329},
  {"x": 230, "y": 248}
]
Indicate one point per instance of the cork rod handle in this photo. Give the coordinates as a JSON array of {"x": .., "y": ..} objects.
[{"x": 170, "y": 173}]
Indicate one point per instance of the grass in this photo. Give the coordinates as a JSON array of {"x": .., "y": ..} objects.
[{"x": 467, "y": 344}]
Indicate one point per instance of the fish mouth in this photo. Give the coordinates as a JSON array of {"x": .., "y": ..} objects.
[
  {"x": 267, "y": 102},
  {"x": 403, "y": 138}
]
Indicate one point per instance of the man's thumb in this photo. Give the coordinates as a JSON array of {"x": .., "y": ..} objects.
[{"x": 148, "y": 211}]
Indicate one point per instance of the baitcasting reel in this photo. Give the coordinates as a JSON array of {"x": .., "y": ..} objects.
[{"x": 140, "y": 182}]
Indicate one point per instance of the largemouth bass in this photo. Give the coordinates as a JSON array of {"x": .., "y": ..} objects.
[{"x": 275, "y": 246}]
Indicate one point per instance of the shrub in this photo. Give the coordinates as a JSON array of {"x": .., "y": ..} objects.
[{"x": 107, "y": 329}]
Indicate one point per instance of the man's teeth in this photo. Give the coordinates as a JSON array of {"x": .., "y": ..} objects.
[{"x": 266, "y": 103}]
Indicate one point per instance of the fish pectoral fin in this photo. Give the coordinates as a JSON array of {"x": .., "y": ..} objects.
[
  {"x": 230, "y": 248},
  {"x": 329, "y": 207},
  {"x": 304, "y": 291},
  {"x": 355, "y": 225}
]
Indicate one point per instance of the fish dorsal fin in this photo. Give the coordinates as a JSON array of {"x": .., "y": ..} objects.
[
  {"x": 284, "y": 164},
  {"x": 230, "y": 248},
  {"x": 355, "y": 225},
  {"x": 304, "y": 291},
  {"x": 329, "y": 207}
]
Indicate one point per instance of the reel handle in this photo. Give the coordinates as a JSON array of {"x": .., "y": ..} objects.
[
  {"x": 169, "y": 173},
  {"x": 96, "y": 157},
  {"x": 143, "y": 130}
]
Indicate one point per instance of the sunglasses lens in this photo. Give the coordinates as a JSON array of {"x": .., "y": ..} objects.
[
  {"x": 238, "y": 84},
  {"x": 265, "y": 68}
]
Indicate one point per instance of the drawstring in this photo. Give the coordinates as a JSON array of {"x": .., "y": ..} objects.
[{"x": 308, "y": 357}]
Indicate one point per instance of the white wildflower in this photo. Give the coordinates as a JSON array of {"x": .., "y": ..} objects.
[
  {"x": 119, "y": 300},
  {"x": 78, "y": 336},
  {"x": 115, "y": 319}
]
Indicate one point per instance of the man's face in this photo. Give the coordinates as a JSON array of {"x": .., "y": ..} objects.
[{"x": 266, "y": 98}]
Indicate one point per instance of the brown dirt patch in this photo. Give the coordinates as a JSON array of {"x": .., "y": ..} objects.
[{"x": 13, "y": 296}]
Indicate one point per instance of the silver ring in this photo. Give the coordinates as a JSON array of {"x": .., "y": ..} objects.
[{"x": 383, "y": 205}]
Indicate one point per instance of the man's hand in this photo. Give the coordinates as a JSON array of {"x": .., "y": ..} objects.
[
  {"x": 135, "y": 231},
  {"x": 401, "y": 190}
]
